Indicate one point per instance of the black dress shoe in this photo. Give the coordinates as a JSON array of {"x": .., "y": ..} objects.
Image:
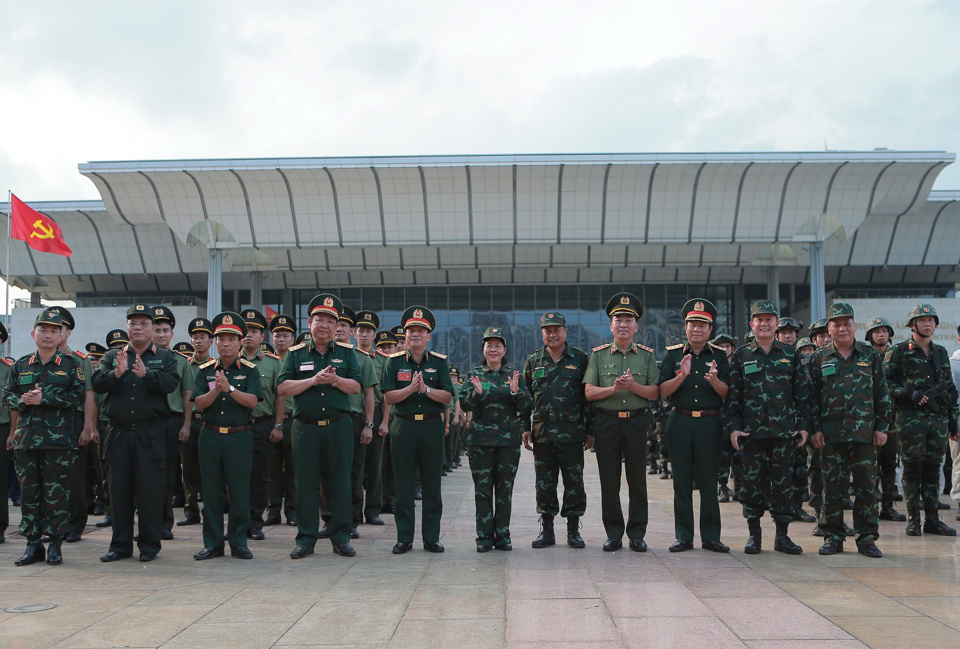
[
  {"x": 375, "y": 520},
  {"x": 54, "y": 557},
  {"x": 714, "y": 546},
  {"x": 241, "y": 552},
  {"x": 111, "y": 556},
  {"x": 612, "y": 545},
  {"x": 638, "y": 545},
  {"x": 292, "y": 521},
  {"x": 146, "y": 557},
  {"x": 271, "y": 520},
  {"x": 344, "y": 550},
  {"x": 301, "y": 552},
  {"x": 354, "y": 533},
  {"x": 106, "y": 522},
  {"x": 256, "y": 535},
  {"x": 208, "y": 553},
  {"x": 324, "y": 532},
  {"x": 505, "y": 546},
  {"x": 166, "y": 535},
  {"x": 417, "y": 494},
  {"x": 484, "y": 547},
  {"x": 400, "y": 548},
  {"x": 32, "y": 554},
  {"x": 803, "y": 517},
  {"x": 681, "y": 546},
  {"x": 188, "y": 520},
  {"x": 870, "y": 550},
  {"x": 98, "y": 510},
  {"x": 72, "y": 537},
  {"x": 831, "y": 547},
  {"x": 434, "y": 546}
]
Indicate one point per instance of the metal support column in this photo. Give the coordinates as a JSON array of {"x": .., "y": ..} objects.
[
  {"x": 215, "y": 283},
  {"x": 773, "y": 286},
  {"x": 256, "y": 290},
  {"x": 818, "y": 288}
]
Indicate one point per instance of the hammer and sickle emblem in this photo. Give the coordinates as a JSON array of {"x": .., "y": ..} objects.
[{"x": 47, "y": 231}]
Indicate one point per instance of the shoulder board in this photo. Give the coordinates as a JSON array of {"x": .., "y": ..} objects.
[
  {"x": 347, "y": 345},
  {"x": 247, "y": 363},
  {"x": 210, "y": 362},
  {"x": 8, "y": 361},
  {"x": 596, "y": 349},
  {"x": 438, "y": 355},
  {"x": 644, "y": 347},
  {"x": 672, "y": 347},
  {"x": 273, "y": 356},
  {"x": 296, "y": 347},
  {"x": 718, "y": 348},
  {"x": 396, "y": 354},
  {"x": 186, "y": 356},
  {"x": 384, "y": 354},
  {"x": 903, "y": 344},
  {"x": 80, "y": 354}
]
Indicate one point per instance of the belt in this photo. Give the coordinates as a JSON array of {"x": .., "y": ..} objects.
[
  {"x": 261, "y": 419},
  {"x": 621, "y": 414},
  {"x": 698, "y": 413},
  {"x": 322, "y": 422},
  {"x": 420, "y": 417},
  {"x": 224, "y": 431}
]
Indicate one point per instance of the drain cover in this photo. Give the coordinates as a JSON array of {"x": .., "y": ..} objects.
[{"x": 30, "y": 608}]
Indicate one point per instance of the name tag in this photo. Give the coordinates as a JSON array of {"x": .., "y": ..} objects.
[
  {"x": 538, "y": 373},
  {"x": 485, "y": 385},
  {"x": 26, "y": 378},
  {"x": 211, "y": 384},
  {"x": 751, "y": 368},
  {"x": 405, "y": 375},
  {"x": 828, "y": 370},
  {"x": 306, "y": 367}
]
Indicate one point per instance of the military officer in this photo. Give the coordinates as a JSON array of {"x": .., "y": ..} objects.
[
  {"x": 788, "y": 329},
  {"x": 416, "y": 384},
  {"x": 765, "y": 416},
  {"x": 137, "y": 379},
  {"x": 621, "y": 382},
  {"x": 304, "y": 337},
  {"x": 370, "y": 498},
  {"x": 282, "y": 490},
  {"x": 201, "y": 338},
  {"x": 450, "y": 420},
  {"x": 695, "y": 377},
  {"x": 184, "y": 348},
  {"x": 920, "y": 379},
  {"x": 850, "y": 415},
  {"x": 95, "y": 352},
  {"x": 401, "y": 337},
  {"x": 820, "y": 333},
  {"x": 117, "y": 338},
  {"x": 320, "y": 374},
  {"x": 267, "y": 423},
  {"x": 45, "y": 388},
  {"x": 6, "y": 455},
  {"x": 805, "y": 347},
  {"x": 114, "y": 338},
  {"x": 227, "y": 390},
  {"x": 729, "y": 458},
  {"x": 386, "y": 345}
]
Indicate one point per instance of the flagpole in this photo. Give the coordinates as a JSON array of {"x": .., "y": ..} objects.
[{"x": 6, "y": 308}]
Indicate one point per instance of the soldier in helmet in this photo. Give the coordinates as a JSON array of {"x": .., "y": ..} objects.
[
  {"x": 820, "y": 333},
  {"x": 805, "y": 347},
  {"x": 879, "y": 334},
  {"x": 788, "y": 330},
  {"x": 920, "y": 378}
]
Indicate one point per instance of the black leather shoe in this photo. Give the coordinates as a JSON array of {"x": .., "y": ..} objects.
[
  {"x": 166, "y": 535},
  {"x": 681, "y": 546},
  {"x": 112, "y": 556},
  {"x": 890, "y": 514},
  {"x": 417, "y": 494},
  {"x": 936, "y": 526},
  {"x": 612, "y": 545},
  {"x": 638, "y": 545},
  {"x": 208, "y": 553},
  {"x": 271, "y": 520},
  {"x": 354, "y": 533},
  {"x": 714, "y": 546},
  {"x": 72, "y": 537},
  {"x": 324, "y": 532},
  {"x": 505, "y": 546},
  {"x": 97, "y": 510},
  {"x": 831, "y": 547},
  {"x": 301, "y": 552},
  {"x": 241, "y": 552},
  {"x": 484, "y": 547},
  {"x": 870, "y": 550},
  {"x": 344, "y": 550},
  {"x": 32, "y": 554},
  {"x": 434, "y": 547},
  {"x": 817, "y": 531},
  {"x": 943, "y": 505},
  {"x": 292, "y": 521},
  {"x": 375, "y": 520},
  {"x": 147, "y": 557},
  {"x": 54, "y": 557},
  {"x": 803, "y": 516},
  {"x": 400, "y": 548},
  {"x": 256, "y": 535},
  {"x": 106, "y": 522},
  {"x": 188, "y": 520}
]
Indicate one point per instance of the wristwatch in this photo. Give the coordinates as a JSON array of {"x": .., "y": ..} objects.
[
  {"x": 233, "y": 389},
  {"x": 369, "y": 425},
  {"x": 428, "y": 391}
]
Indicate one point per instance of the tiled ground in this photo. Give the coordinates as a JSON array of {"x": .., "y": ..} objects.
[{"x": 556, "y": 597}]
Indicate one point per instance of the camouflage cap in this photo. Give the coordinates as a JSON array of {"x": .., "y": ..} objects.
[
  {"x": 876, "y": 323},
  {"x": 789, "y": 323},
  {"x": 140, "y": 310},
  {"x": 624, "y": 304},
  {"x": 254, "y": 318},
  {"x": 183, "y": 348},
  {"x": 229, "y": 322},
  {"x": 50, "y": 317},
  {"x": 920, "y": 311},
  {"x": 66, "y": 316},
  {"x": 164, "y": 314},
  {"x": 385, "y": 337},
  {"x": 200, "y": 325},
  {"x": 119, "y": 338},
  {"x": 281, "y": 322},
  {"x": 553, "y": 319},
  {"x": 818, "y": 327},
  {"x": 494, "y": 333},
  {"x": 368, "y": 319},
  {"x": 839, "y": 310},
  {"x": 761, "y": 307},
  {"x": 804, "y": 342},
  {"x": 95, "y": 349}
]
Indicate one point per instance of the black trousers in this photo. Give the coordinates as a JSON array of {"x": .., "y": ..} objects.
[
  {"x": 172, "y": 463},
  {"x": 137, "y": 458},
  {"x": 622, "y": 443}
]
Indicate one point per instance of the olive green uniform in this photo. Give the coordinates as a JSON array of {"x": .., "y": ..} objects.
[
  {"x": 174, "y": 424},
  {"x": 368, "y": 378},
  {"x": 77, "y": 519},
  {"x": 264, "y": 418}
]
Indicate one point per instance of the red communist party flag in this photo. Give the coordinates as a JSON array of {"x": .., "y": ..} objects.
[{"x": 39, "y": 231}]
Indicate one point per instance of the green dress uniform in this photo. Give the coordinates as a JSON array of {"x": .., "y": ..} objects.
[
  {"x": 850, "y": 401},
  {"x": 189, "y": 455},
  {"x": 368, "y": 379},
  {"x": 322, "y": 439},
  {"x": 262, "y": 424},
  {"x": 373, "y": 462}
]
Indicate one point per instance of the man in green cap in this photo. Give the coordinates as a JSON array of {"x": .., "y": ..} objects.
[
  {"x": 386, "y": 346},
  {"x": 850, "y": 415},
  {"x": 921, "y": 382},
  {"x": 137, "y": 379},
  {"x": 114, "y": 338},
  {"x": 621, "y": 383},
  {"x": 101, "y": 497},
  {"x": 416, "y": 384},
  {"x": 321, "y": 374},
  {"x": 44, "y": 388},
  {"x": 227, "y": 390},
  {"x": 765, "y": 417},
  {"x": 367, "y": 487},
  {"x": 695, "y": 377},
  {"x": 283, "y": 330},
  {"x": 201, "y": 339}
]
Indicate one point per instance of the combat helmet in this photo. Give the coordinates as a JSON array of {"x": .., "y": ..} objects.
[
  {"x": 876, "y": 323},
  {"x": 920, "y": 311}
]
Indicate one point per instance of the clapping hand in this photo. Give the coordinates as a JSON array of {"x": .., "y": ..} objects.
[
  {"x": 121, "y": 367},
  {"x": 685, "y": 364},
  {"x": 515, "y": 382},
  {"x": 139, "y": 368},
  {"x": 477, "y": 384},
  {"x": 223, "y": 385},
  {"x": 34, "y": 396}
]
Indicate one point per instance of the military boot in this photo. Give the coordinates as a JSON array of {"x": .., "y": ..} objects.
[
  {"x": 34, "y": 552},
  {"x": 782, "y": 542},
  {"x": 723, "y": 494},
  {"x": 654, "y": 467},
  {"x": 887, "y": 511},
  {"x": 913, "y": 523},
  {"x": 736, "y": 490},
  {"x": 546, "y": 537},
  {"x": 54, "y": 557},
  {"x": 664, "y": 471},
  {"x": 934, "y": 525},
  {"x": 754, "y": 543},
  {"x": 574, "y": 540}
]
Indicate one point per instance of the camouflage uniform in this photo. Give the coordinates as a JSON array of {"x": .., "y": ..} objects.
[
  {"x": 850, "y": 401},
  {"x": 6, "y": 456},
  {"x": 494, "y": 450}
]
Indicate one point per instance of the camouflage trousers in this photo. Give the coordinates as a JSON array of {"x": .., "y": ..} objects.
[
  {"x": 767, "y": 462},
  {"x": 887, "y": 465},
  {"x": 921, "y": 452},
  {"x": 816, "y": 475},
  {"x": 800, "y": 476},
  {"x": 45, "y": 491},
  {"x": 550, "y": 461},
  {"x": 730, "y": 460},
  {"x": 861, "y": 458},
  {"x": 494, "y": 469}
]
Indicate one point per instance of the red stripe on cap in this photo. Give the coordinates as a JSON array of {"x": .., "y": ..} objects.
[
  {"x": 325, "y": 309},
  {"x": 702, "y": 314},
  {"x": 417, "y": 321},
  {"x": 230, "y": 329}
]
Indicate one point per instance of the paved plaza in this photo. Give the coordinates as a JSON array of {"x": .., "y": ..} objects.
[{"x": 558, "y": 597}]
